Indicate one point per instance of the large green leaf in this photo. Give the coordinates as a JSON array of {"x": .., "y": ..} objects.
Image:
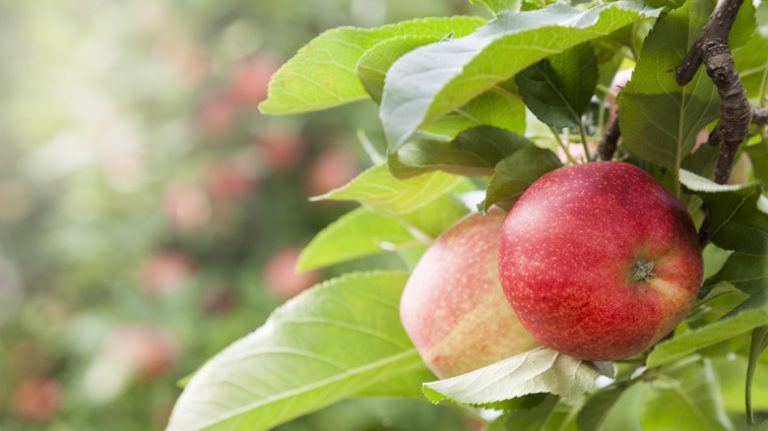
[
  {"x": 474, "y": 152},
  {"x": 497, "y": 107},
  {"x": 595, "y": 411},
  {"x": 515, "y": 173},
  {"x": 433, "y": 80},
  {"x": 540, "y": 370},
  {"x": 684, "y": 397},
  {"x": 322, "y": 74},
  {"x": 738, "y": 213},
  {"x": 751, "y": 60},
  {"x": 749, "y": 274},
  {"x": 363, "y": 232},
  {"x": 373, "y": 65},
  {"x": 497, "y": 6},
  {"x": 758, "y": 155},
  {"x": 330, "y": 342},
  {"x": 731, "y": 370},
  {"x": 690, "y": 342},
  {"x": 558, "y": 89},
  {"x": 359, "y": 233},
  {"x": 659, "y": 119},
  {"x": 687, "y": 399},
  {"x": 379, "y": 189}
]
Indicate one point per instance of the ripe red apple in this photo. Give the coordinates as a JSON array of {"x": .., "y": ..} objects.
[
  {"x": 166, "y": 272},
  {"x": 453, "y": 307},
  {"x": 280, "y": 148},
  {"x": 599, "y": 261},
  {"x": 250, "y": 78},
  {"x": 282, "y": 278},
  {"x": 333, "y": 169},
  {"x": 37, "y": 399},
  {"x": 145, "y": 352}
]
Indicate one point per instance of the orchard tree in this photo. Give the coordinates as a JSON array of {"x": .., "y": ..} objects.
[{"x": 625, "y": 287}]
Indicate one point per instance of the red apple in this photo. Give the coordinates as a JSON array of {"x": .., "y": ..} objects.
[
  {"x": 331, "y": 170},
  {"x": 37, "y": 399},
  {"x": 231, "y": 181},
  {"x": 165, "y": 272},
  {"x": 599, "y": 261},
  {"x": 187, "y": 206},
  {"x": 217, "y": 114},
  {"x": 144, "y": 351},
  {"x": 453, "y": 307},
  {"x": 280, "y": 148},
  {"x": 250, "y": 78},
  {"x": 282, "y": 278}
]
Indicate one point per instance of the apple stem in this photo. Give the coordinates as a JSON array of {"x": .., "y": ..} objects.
[
  {"x": 642, "y": 271},
  {"x": 583, "y": 134}
]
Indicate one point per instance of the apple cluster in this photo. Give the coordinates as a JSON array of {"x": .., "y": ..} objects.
[{"x": 596, "y": 261}]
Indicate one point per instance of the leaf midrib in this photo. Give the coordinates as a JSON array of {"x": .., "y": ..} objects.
[{"x": 309, "y": 387}]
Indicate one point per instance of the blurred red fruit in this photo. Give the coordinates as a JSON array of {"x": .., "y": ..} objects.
[
  {"x": 147, "y": 351},
  {"x": 282, "y": 279},
  {"x": 165, "y": 272},
  {"x": 187, "y": 206},
  {"x": 250, "y": 78},
  {"x": 230, "y": 181},
  {"x": 36, "y": 399},
  {"x": 280, "y": 148},
  {"x": 331, "y": 170},
  {"x": 217, "y": 300},
  {"x": 217, "y": 114}
]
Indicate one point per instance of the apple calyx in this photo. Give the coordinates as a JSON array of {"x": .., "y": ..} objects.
[{"x": 642, "y": 271}]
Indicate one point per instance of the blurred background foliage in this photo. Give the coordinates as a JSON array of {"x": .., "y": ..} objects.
[{"x": 149, "y": 216}]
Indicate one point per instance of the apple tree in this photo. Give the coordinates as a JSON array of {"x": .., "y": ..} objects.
[{"x": 473, "y": 111}]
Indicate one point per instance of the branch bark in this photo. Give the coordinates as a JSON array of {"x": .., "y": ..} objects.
[
  {"x": 712, "y": 50},
  {"x": 606, "y": 148}
]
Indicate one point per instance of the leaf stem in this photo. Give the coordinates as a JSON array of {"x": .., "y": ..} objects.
[
  {"x": 562, "y": 145},
  {"x": 583, "y": 133}
]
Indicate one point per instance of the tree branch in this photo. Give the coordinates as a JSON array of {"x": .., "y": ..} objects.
[
  {"x": 606, "y": 148},
  {"x": 712, "y": 50}
]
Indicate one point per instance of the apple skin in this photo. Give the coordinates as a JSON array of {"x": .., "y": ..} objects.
[
  {"x": 453, "y": 307},
  {"x": 568, "y": 249}
]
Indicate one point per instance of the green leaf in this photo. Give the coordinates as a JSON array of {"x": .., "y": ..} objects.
[
  {"x": 474, "y": 152},
  {"x": 749, "y": 274},
  {"x": 432, "y": 219},
  {"x": 684, "y": 397},
  {"x": 688, "y": 343},
  {"x": 593, "y": 414},
  {"x": 757, "y": 346},
  {"x": 330, "y": 342},
  {"x": 405, "y": 385},
  {"x": 688, "y": 399},
  {"x": 758, "y": 155},
  {"x": 659, "y": 119},
  {"x": 533, "y": 416},
  {"x": 731, "y": 370},
  {"x": 497, "y": 107},
  {"x": 322, "y": 74},
  {"x": 373, "y": 65},
  {"x": 433, "y": 80},
  {"x": 762, "y": 427},
  {"x": 496, "y": 6},
  {"x": 558, "y": 89},
  {"x": 514, "y": 174},
  {"x": 738, "y": 213},
  {"x": 379, "y": 189},
  {"x": 359, "y": 233},
  {"x": 540, "y": 370}
]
